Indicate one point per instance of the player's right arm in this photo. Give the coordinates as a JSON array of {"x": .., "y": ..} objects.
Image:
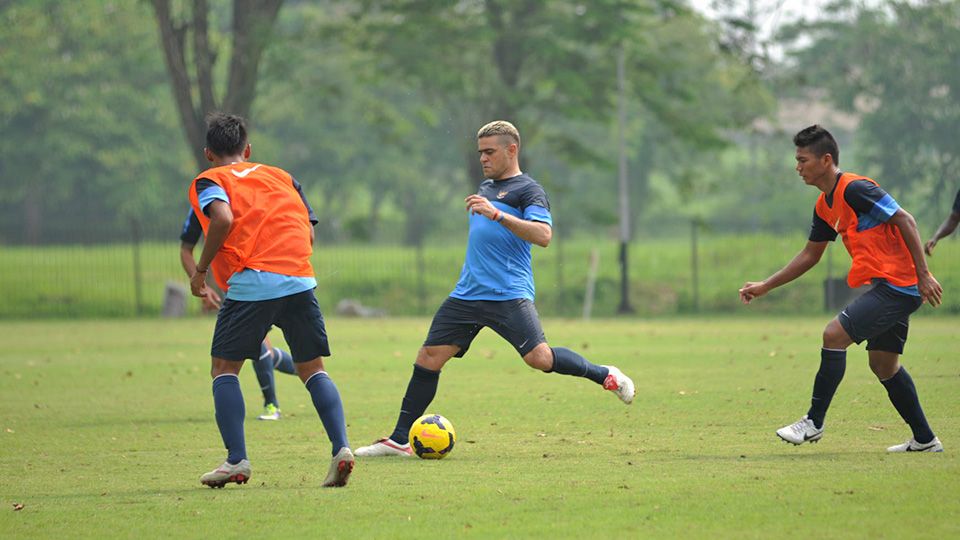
[
  {"x": 808, "y": 257},
  {"x": 189, "y": 237},
  {"x": 948, "y": 226}
]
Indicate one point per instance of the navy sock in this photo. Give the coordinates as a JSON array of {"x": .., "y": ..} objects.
[
  {"x": 326, "y": 399},
  {"x": 903, "y": 395},
  {"x": 833, "y": 364},
  {"x": 263, "y": 366},
  {"x": 283, "y": 361},
  {"x": 567, "y": 362},
  {"x": 230, "y": 410},
  {"x": 420, "y": 392}
]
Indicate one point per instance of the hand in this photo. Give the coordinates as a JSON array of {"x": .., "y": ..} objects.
[
  {"x": 751, "y": 290},
  {"x": 478, "y": 204},
  {"x": 210, "y": 301},
  {"x": 198, "y": 284},
  {"x": 928, "y": 247},
  {"x": 930, "y": 289}
]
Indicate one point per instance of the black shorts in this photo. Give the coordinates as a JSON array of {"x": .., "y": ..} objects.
[
  {"x": 457, "y": 322},
  {"x": 241, "y": 327},
  {"x": 881, "y": 316}
]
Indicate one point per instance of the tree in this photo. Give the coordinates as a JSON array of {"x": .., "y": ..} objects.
[
  {"x": 195, "y": 96},
  {"x": 895, "y": 65},
  {"x": 82, "y": 118}
]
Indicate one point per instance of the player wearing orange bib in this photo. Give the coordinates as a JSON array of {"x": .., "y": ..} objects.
[
  {"x": 885, "y": 246},
  {"x": 260, "y": 237}
]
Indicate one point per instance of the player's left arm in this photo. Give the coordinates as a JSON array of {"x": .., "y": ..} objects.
[
  {"x": 312, "y": 216},
  {"x": 535, "y": 232},
  {"x": 929, "y": 288}
]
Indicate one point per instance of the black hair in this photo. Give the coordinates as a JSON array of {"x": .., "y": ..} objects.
[
  {"x": 819, "y": 141},
  {"x": 226, "y": 134}
]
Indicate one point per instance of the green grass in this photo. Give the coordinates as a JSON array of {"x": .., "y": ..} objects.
[
  {"x": 107, "y": 426},
  {"x": 84, "y": 281}
]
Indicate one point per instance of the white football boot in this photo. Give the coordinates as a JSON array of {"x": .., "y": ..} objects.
[
  {"x": 913, "y": 446},
  {"x": 384, "y": 447},
  {"x": 800, "y": 432},
  {"x": 340, "y": 468},
  {"x": 270, "y": 412},
  {"x": 227, "y": 473},
  {"x": 619, "y": 384}
]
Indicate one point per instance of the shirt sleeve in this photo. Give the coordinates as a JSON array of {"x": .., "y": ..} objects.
[
  {"x": 191, "y": 229},
  {"x": 536, "y": 205},
  {"x": 209, "y": 191},
  {"x": 821, "y": 231},
  {"x": 956, "y": 203},
  {"x": 299, "y": 188},
  {"x": 867, "y": 198}
]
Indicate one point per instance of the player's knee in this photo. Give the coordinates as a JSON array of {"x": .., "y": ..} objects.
[
  {"x": 835, "y": 337},
  {"x": 434, "y": 358},
  {"x": 540, "y": 358},
  {"x": 884, "y": 365}
]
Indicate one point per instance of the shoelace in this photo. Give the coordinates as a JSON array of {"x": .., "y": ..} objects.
[{"x": 799, "y": 427}]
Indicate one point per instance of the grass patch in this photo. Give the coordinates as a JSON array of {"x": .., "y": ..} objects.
[{"x": 107, "y": 426}]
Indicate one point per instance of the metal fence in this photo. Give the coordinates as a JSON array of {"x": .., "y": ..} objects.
[{"x": 697, "y": 270}]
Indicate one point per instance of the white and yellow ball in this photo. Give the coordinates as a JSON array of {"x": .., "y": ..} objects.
[{"x": 432, "y": 437}]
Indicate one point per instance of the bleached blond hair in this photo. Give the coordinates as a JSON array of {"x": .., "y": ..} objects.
[{"x": 500, "y": 128}]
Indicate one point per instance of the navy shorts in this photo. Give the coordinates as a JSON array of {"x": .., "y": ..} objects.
[
  {"x": 457, "y": 322},
  {"x": 241, "y": 327},
  {"x": 881, "y": 316}
]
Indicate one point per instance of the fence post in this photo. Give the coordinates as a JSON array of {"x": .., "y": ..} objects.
[
  {"x": 137, "y": 274},
  {"x": 421, "y": 278},
  {"x": 591, "y": 283},
  {"x": 695, "y": 263}
]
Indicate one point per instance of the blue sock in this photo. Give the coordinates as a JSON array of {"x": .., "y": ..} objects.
[
  {"x": 263, "y": 366},
  {"x": 567, "y": 362},
  {"x": 420, "y": 392},
  {"x": 833, "y": 364},
  {"x": 283, "y": 362},
  {"x": 903, "y": 395},
  {"x": 230, "y": 410},
  {"x": 326, "y": 399}
]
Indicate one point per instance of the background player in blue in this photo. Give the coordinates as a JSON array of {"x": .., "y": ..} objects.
[
  {"x": 946, "y": 228},
  {"x": 271, "y": 358},
  {"x": 508, "y": 214},
  {"x": 886, "y": 249}
]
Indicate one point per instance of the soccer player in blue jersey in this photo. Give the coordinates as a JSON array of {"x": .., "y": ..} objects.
[
  {"x": 887, "y": 253},
  {"x": 271, "y": 358},
  {"x": 508, "y": 214},
  {"x": 946, "y": 228}
]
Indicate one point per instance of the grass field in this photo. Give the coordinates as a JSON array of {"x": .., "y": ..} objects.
[{"x": 107, "y": 425}]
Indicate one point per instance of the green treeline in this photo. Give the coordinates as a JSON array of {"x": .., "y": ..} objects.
[{"x": 373, "y": 105}]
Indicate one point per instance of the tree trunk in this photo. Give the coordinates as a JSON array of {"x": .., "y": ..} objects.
[{"x": 252, "y": 23}]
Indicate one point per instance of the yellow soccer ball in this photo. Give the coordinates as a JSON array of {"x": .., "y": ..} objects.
[{"x": 432, "y": 437}]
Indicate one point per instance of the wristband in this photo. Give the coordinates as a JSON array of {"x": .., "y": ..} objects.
[
  {"x": 199, "y": 271},
  {"x": 497, "y": 216}
]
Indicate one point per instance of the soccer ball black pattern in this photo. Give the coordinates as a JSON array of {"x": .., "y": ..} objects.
[{"x": 432, "y": 437}]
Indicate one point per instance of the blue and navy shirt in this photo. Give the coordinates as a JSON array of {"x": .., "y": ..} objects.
[
  {"x": 873, "y": 207},
  {"x": 498, "y": 264},
  {"x": 248, "y": 285}
]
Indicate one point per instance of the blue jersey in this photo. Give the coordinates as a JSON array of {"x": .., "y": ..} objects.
[{"x": 498, "y": 263}]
